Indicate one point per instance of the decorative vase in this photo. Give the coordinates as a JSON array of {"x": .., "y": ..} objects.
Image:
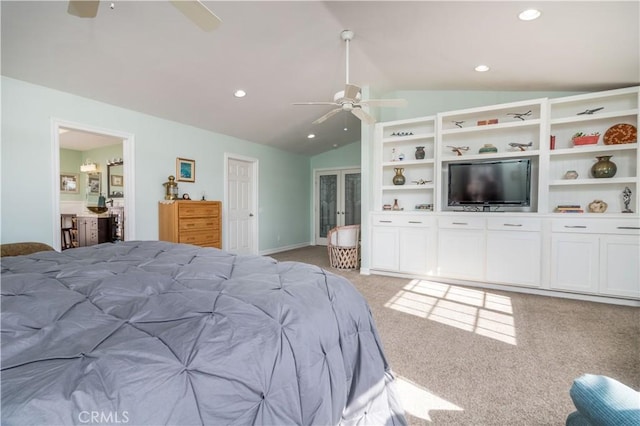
[
  {"x": 395, "y": 205},
  {"x": 604, "y": 168},
  {"x": 487, "y": 148},
  {"x": 571, "y": 174},
  {"x": 398, "y": 179},
  {"x": 420, "y": 153}
]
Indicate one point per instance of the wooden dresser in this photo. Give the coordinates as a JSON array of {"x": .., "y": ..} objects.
[{"x": 191, "y": 222}]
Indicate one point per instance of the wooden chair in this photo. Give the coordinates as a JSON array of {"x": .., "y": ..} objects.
[
  {"x": 19, "y": 249},
  {"x": 343, "y": 245}
]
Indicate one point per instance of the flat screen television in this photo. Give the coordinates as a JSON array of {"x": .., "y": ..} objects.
[{"x": 490, "y": 183}]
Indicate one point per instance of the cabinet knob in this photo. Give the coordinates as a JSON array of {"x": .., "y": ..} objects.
[{"x": 250, "y": 214}]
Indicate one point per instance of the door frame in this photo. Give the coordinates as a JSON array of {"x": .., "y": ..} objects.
[
  {"x": 128, "y": 158},
  {"x": 316, "y": 186},
  {"x": 254, "y": 200}
]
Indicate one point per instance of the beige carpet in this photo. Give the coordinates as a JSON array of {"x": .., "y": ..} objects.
[{"x": 483, "y": 357}]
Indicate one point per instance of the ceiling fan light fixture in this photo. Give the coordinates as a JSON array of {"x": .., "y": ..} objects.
[
  {"x": 529, "y": 15},
  {"x": 482, "y": 68}
]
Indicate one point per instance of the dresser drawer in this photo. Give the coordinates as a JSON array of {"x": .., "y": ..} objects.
[
  {"x": 417, "y": 220},
  {"x": 199, "y": 238},
  {"x": 197, "y": 223},
  {"x": 195, "y": 209}
]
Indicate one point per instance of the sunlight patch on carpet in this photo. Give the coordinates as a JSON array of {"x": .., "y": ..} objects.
[
  {"x": 476, "y": 311},
  {"x": 418, "y": 401}
]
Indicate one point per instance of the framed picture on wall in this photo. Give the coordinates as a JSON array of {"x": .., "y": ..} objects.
[
  {"x": 186, "y": 170},
  {"x": 69, "y": 182},
  {"x": 93, "y": 183},
  {"x": 117, "y": 180}
]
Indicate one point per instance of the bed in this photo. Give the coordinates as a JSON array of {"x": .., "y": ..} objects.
[{"x": 150, "y": 333}]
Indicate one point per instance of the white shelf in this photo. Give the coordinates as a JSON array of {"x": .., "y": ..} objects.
[
  {"x": 489, "y": 157},
  {"x": 596, "y": 116},
  {"x": 407, "y": 187},
  {"x": 603, "y": 181},
  {"x": 407, "y": 163},
  {"x": 397, "y": 139},
  {"x": 497, "y": 126},
  {"x": 588, "y": 149}
]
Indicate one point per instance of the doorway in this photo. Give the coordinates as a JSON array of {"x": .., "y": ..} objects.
[
  {"x": 240, "y": 202},
  {"x": 337, "y": 200},
  {"x": 80, "y": 137}
]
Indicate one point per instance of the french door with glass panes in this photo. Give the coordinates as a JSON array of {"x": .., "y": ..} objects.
[{"x": 337, "y": 201}]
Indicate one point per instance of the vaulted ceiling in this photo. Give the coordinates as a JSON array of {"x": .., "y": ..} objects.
[{"x": 146, "y": 56}]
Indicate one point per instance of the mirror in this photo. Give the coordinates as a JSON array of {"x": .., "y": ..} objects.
[{"x": 115, "y": 179}]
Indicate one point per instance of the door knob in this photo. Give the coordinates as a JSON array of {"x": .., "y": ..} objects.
[{"x": 250, "y": 214}]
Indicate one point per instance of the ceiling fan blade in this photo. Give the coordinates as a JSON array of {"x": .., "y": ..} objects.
[
  {"x": 198, "y": 13},
  {"x": 83, "y": 9},
  {"x": 315, "y": 103},
  {"x": 358, "y": 112},
  {"x": 327, "y": 115},
  {"x": 396, "y": 103},
  {"x": 351, "y": 91}
]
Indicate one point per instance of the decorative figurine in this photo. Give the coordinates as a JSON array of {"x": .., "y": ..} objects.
[
  {"x": 458, "y": 123},
  {"x": 458, "y": 149},
  {"x": 394, "y": 157},
  {"x": 521, "y": 146},
  {"x": 402, "y": 134},
  {"x": 421, "y": 182},
  {"x": 626, "y": 199},
  {"x": 589, "y": 111},
  {"x": 597, "y": 206},
  {"x": 571, "y": 174},
  {"x": 520, "y": 115}
]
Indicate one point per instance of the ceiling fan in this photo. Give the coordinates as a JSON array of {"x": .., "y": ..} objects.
[
  {"x": 349, "y": 99},
  {"x": 197, "y": 12}
]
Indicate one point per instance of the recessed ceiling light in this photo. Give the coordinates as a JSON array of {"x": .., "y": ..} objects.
[
  {"x": 346, "y": 129},
  {"x": 239, "y": 93},
  {"x": 311, "y": 136},
  {"x": 529, "y": 15},
  {"x": 335, "y": 145},
  {"x": 482, "y": 68}
]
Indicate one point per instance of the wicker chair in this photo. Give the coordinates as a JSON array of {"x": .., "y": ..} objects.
[{"x": 343, "y": 245}]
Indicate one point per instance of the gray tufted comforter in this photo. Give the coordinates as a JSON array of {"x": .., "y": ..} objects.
[{"x": 151, "y": 333}]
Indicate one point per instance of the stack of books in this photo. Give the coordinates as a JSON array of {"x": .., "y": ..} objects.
[{"x": 569, "y": 208}]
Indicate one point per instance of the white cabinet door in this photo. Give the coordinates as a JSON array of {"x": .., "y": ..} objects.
[
  {"x": 619, "y": 265},
  {"x": 384, "y": 248},
  {"x": 415, "y": 253},
  {"x": 514, "y": 257},
  {"x": 574, "y": 262},
  {"x": 461, "y": 253}
]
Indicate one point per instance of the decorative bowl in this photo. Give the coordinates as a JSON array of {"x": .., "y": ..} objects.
[
  {"x": 586, "y": 140},
  {"x": 96, "y": 209}
]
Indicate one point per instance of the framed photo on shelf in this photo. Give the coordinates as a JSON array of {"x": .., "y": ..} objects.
[
  {"x": 94, "y": 181},
  {"x": 69, "y": 182},
  {"x": 185, "y": 170},
  {"x": 117, "y": 180}
]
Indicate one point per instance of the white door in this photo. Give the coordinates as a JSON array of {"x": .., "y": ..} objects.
[
  {"x": 242, "y": 235},
  {"x": 337, "y": 201}
]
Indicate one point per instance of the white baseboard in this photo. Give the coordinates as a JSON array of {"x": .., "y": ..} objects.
[{"x": 285, "y": 248}]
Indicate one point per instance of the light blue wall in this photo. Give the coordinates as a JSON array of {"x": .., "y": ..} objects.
[
  {"x": 27, "y": 165},
  {"x": 345, "y": 156}
]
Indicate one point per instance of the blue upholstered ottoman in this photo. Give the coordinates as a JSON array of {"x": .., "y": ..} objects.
[{"x": 603, "y": 401}]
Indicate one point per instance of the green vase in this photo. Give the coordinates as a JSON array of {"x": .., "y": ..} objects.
[{"x": 604, "y": 167}]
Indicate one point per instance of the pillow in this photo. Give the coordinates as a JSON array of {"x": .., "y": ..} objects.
[{"x": 605, "y": 401}]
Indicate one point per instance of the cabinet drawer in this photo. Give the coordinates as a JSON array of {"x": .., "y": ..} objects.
[
  {"x": 595, "y": 226},
  {"x": 198, "y": 210},
  {"x": 198, "y": 223},
  {"x": 514, "y": 224},
  {"x": 402, "y": 220},
  {"x": 462, "y": 222}
]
